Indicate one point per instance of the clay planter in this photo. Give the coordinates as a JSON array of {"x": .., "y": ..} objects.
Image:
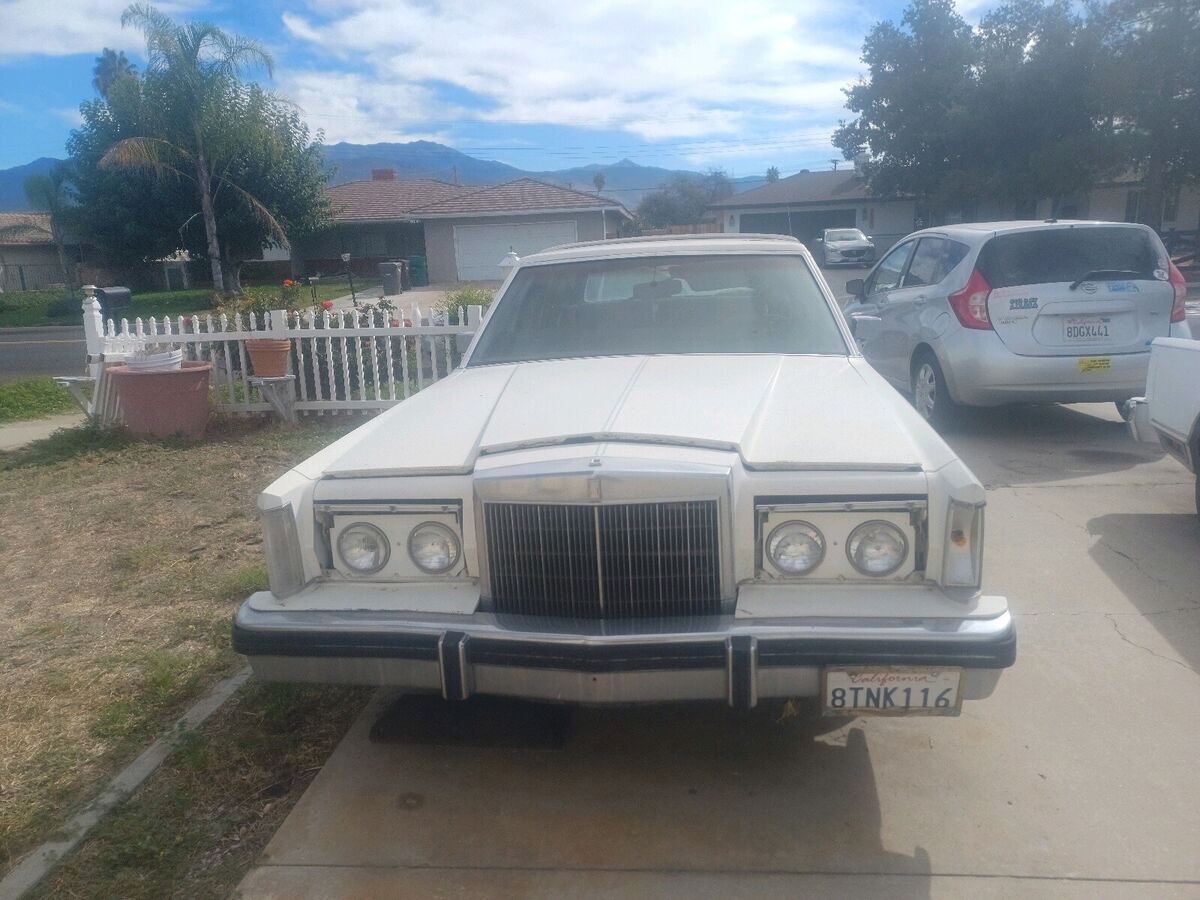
[
  {"x": 164, "y": 403},
  {"x": 269, "y": 356}
]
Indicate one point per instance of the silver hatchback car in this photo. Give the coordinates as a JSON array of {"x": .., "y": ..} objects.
[{"x": 1006, "y": 312}]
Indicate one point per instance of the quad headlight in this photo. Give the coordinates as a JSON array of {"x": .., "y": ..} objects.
[
  {"x": 877, "y": 548},
  {"x": 363, "y": 548},
  {"x": 433, "y": 548},
  {"x": 796, "y": 548}
]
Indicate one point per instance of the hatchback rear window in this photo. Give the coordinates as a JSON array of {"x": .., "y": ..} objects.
[{"x": 1066, "y": 254}]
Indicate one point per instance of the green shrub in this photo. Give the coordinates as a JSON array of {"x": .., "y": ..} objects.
[
  {"x": 33, "y": 399},
  {"x": 456, "y": 302}
]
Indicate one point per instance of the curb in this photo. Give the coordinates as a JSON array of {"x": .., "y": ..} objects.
[{"x": 39, "y": 863}]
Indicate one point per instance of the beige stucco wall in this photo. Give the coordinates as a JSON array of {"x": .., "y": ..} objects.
[{"x": 439, "y": 236}]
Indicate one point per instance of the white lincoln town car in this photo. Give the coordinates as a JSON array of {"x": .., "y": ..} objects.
[{"x": 663, "y": 472}]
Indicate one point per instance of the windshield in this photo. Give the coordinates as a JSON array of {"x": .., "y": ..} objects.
[
  {"x": 655, "y": 305},
  {"x": 1049, "y": 255},
  {"x": 845, "y": 234}
]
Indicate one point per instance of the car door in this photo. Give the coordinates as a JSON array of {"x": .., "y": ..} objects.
[
  {"x": 885, "y": 279},
  {"x": 907, "y": 317}
]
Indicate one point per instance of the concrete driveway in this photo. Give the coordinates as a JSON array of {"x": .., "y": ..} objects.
[{"x": 1077, "y": 779}]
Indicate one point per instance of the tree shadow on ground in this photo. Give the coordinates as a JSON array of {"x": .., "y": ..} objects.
[
  {"x": 1032, "y": 444},
  {"x": 1154, "y": 560}
]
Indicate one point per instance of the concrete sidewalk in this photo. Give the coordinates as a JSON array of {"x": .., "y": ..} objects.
[{"x": 14, "y": 435}]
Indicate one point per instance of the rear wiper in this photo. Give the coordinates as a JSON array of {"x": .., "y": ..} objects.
[{"x": 1105, "y": 275}]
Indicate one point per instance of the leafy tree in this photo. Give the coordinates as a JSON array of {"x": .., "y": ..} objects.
[
  {"x": 109, "y": 68},
  {"x": 953, "y": 114},
  {"x": 684, "y": 199},
  {"x": 772, "y": 175},
  {"x": 1151, "y": 92},
  {"x": 193, "y": 74},
  {"x": 599, "y": 181}
]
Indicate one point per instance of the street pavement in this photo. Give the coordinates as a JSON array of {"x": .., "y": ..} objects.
[
  {"x": 29, "y": 352},
  {"x": 1078, "y": 778}
]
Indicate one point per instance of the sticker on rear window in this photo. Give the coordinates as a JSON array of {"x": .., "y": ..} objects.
[
  {"x": 1161, "y": 274},
  {"x": 1123, "y": 287},
  {"x": 1023, "y": 303}
]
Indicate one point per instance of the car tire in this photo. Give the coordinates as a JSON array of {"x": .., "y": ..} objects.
[
  {"x": 930, "y": 396},
  {"x": 1198, "y": 495}
]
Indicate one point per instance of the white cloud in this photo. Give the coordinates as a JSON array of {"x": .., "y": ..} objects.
[
  {"x": 661, "y": 70},
  {"x": 70, "y": 115},
  {"x": 38, "y": 27}
]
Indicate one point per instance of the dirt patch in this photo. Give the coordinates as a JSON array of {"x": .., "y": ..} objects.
[{"x": 123, "y": 565}]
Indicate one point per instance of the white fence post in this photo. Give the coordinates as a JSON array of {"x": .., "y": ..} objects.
[{"x": 93, "y": 329}]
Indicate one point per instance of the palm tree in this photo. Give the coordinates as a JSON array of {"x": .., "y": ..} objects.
[
  {"x": 50, "y": 194},
  {"x": 193, "y": 68},
  {"x": 772, "y": 175},
  {"x": 599, "y": 181},
  {"x": 110, "y": 68}
]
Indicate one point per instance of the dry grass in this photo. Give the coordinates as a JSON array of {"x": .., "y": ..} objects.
[
  {"x": 199, "y": 823},
  {"x": 123, "y": 563}
]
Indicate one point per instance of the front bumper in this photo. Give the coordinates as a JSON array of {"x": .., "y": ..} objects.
[{"x": 713, "y": 658}]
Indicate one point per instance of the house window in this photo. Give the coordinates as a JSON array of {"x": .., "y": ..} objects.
[{"x": 1171, "y": 207}]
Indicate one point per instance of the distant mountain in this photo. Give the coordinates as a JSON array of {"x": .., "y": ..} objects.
[
  {"x": 12, "y": 183},
  {"x": 624, "y": 181}
]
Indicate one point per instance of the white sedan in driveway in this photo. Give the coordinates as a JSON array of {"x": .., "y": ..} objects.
[
  {"x": 846, "y": 246},
  {"x": 1005, "y": 312},
  {"x": 663, "y": 473}
]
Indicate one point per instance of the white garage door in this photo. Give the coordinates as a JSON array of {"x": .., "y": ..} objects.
[{"x": 478, "y": 249}]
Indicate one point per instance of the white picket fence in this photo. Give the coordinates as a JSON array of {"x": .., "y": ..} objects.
[{"x": 343, "y": 361}]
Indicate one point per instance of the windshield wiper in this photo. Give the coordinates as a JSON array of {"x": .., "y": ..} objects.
[{"x": 1105, "y": 275}]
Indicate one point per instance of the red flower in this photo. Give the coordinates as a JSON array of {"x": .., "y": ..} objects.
[
  {"x": 327, "y": 304},
  {"x": 287, "y": 282}
]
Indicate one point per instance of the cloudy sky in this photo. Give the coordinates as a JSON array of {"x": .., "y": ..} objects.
[{"x": 539, "y": 84}]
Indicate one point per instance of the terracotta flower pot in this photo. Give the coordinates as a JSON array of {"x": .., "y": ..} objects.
[
  {"x": 269, "y": 356},
  {"x": 164, "y": 403}
]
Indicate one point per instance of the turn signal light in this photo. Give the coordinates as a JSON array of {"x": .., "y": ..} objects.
[{"x": 1178, "y": 308}]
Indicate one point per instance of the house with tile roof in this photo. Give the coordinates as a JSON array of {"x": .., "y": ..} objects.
[
  {"x": 463, "y": 232},
  {"x": 28, "y": 259}
]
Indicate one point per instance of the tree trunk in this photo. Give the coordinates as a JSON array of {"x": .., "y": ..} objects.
[
  {"x": 62, "y": 263},
  {"x": 210, "y": 218},
  {"x": 1154, "y": 192}
]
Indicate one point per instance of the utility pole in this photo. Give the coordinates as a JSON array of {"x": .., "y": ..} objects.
[{"x": 455, "y": 173}]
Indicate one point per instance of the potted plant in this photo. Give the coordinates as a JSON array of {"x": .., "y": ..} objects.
[
  {"x": 161, "y": 394},
  {"x": 270, "y": 357}
]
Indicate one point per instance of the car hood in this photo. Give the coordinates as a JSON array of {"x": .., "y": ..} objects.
[
  {"x": 847, "y": 245},
  {"x": 776, "y": 412}
]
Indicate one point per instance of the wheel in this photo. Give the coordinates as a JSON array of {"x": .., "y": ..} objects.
[
  {"x": 930, "y": 395},
  {"x": 1198, "y": 494}
]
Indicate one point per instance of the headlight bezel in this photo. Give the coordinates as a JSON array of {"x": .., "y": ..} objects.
[
  {"x": 877, "y": 523},
  {"x": 836, "y": 518},
  {"x": 396, "y": 520}
]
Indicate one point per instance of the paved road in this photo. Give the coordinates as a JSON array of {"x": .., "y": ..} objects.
[
  {"x": 28, "y": 352},
  {"x": 1078, "y": 778}
]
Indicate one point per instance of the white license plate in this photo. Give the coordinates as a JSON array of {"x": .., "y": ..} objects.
[
  {"x": 1087, "y": 329},
  {"x": 891, "y": 691}
]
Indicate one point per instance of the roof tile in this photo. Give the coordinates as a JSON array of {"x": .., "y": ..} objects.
[{"x": 36, "y": 228}]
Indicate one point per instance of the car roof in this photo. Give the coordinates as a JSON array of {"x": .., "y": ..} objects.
[
  {"x": 979, "y": 232},
  {"x": 667, "y": 245}
]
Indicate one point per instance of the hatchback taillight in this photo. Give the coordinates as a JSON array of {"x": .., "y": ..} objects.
[
  {"x": 1178, "y": 308},
  {"x": 970, "y": 304}
]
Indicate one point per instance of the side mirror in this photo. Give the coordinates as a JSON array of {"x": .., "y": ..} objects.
[{"x": 855, "y": 287}]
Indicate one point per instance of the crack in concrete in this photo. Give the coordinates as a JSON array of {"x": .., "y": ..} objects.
[{"x": 1117, "y": 628}]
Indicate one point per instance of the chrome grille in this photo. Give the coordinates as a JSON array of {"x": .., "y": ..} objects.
[{"x": 615, "y": 561}]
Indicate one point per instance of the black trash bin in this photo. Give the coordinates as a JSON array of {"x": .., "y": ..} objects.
[
  {"x": 114, "y": 300},
  {"x": 392, "y": 275}
]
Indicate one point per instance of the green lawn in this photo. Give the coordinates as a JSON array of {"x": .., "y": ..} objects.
[
  {"x": 33, "y": 399},
  {"x": 36, "y": 308}
]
